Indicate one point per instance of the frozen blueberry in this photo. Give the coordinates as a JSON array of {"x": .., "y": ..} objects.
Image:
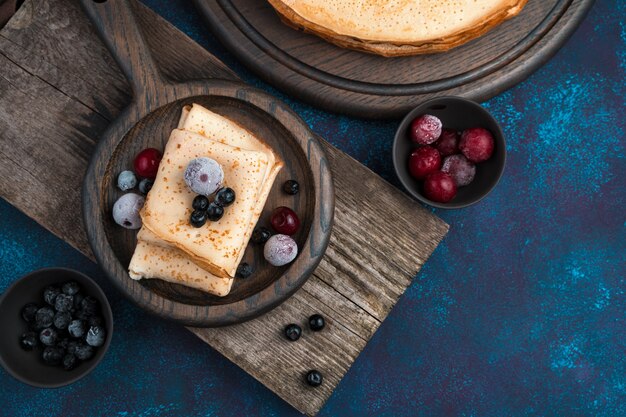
[
  {"x": 53, "y": 355},
  {"x": 244, "y": 270},
  {"x": 48, "y": 336},
  {"x": 50, "y": 294},
  {"x": 83, "y": 351},
  {"x": 200, "y": 202},
  {"x": 69, "y": 362},
  {"x": 78, "y": 298},
  {"x": 198, "y": 218},
  {"x": 71, "y": 346},
  {"x": 214, "y": 212},
  {"x": 261, "y": 235},
  {"x": 126, "y": 180},
  {"x": 44, "y": 317},
  {"x": 316, "y": 322},
  {"x": 314, "y": 378},
  {"x": 70, "y": 288},
  {"x": 29, "y": 311},
  {"x": 293, "y": 332},
  {"x": 96, "y": 336},
  {"x": 126, "y": 210},
  {"x": 89, "y": 306},
  {"x": 204, "y": 176},
  {"x": 279, "y": 250},
  {"x": 63, "y": 303},
  {"x": 77, "y": 328},
  {"x": 145, "y": 185},
  {"x": 225, "y": 197},
  {"x": 62, "y": 319},
  {"x": 64, "y": 343},
  {"x": 291, "y": 187},
  {"x": 29, "y": 341}
]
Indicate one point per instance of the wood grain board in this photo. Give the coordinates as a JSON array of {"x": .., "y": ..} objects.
[
  {"x": 59, "y": 89},
  {"x": 370, "y": 86}
]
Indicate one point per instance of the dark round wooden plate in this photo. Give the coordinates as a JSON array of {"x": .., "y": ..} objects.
[
  {"x": 148, "y": 122},
  {"x": 370, "y": 86}
]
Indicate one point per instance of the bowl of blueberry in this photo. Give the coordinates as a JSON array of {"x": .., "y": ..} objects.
[
  {"x": 449, "y": 152},
  {"x": 56, "y": 326}
]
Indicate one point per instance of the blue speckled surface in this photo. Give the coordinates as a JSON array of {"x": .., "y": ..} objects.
[{"x": 521, "y": 310}]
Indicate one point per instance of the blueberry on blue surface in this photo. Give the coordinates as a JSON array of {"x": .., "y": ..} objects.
[
  {"x": 77, "y": 328},
  {"x": 62, "y": 319},
  {"x": 96, "y": 336},
  {"x": 44, "y": 317},
  {"x": 63, "y": 303},
  {"x": 29, "y": 311},
  {"x": 83, "y": 351},
  {"x": 50, "y": 294},
  {"x": 48, "y": 336}
]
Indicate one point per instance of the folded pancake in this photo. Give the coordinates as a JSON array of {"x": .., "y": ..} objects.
[
  {"x": 397, "y": 27},
  {"x": 218, "y": 246},
  {"x": 153, "y": 260}
]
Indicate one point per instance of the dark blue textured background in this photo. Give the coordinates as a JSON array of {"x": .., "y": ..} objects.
[{"x": 520, "y": 311}]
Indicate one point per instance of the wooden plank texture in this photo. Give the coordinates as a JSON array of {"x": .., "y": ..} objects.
[{"x": 59, "y": 87}]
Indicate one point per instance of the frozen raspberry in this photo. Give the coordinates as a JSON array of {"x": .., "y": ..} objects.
[
  {"x": 424, "y": 161},
  {"x": 280, "y": 250},
  {"x": 476, "y": 144},
  {"x": 440, "y": 187},
  {"x": 425, "y": 129},
  {"x": 448, "y": 142},
  {"x": 460, "y": 168}
]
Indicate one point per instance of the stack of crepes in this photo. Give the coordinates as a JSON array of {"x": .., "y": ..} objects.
[
  {"x": 206, "y": 258},
  {"x": 397, "y": 27}
]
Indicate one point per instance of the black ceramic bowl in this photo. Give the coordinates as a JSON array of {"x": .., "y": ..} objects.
[
  {"x": 455, "y": 113},
  {"x": 26, "y": 366}
]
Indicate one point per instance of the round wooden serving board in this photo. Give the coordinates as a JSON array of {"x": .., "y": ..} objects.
[{"x": 370, "y": 86}]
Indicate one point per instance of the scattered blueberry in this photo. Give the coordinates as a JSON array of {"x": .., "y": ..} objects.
[
  {"x": 145, "y": 185},
  {"x": 48, "y": 336},
  {"x": 53, "y": 355},
  {"x": 293, "y": 332},
  {"x": 83, "y": 351},
  {"x": 95, "y": 336},
  {"x": 261, "y": 235},
  {"x": 314, "y": 378},
  {"x": 29, "y": 341},
  {"x": 225, "y": 197},
  {"x": 64, "y": 303},
  {"x": 291, "y": 187},
  {"x": 198, "y": 218},
  {"x": 279, "y": 250},
  {"x": 62, "y": 319},
  {"x": 44, "y": 317},
  {"x": 244, "y": 270},
  {"x": 29, "y": 311},
  {"x": 69, "y": 362},
  {"x": 316, "y": 322},
  {"x": 204, "y": 176},
  {"x": 200, "y": 202},
  {"x": 50, "y": 294},
  {"x": 70, "y": 288},
  {"x": 126, "y": 210},
  {"x": 77, "y": 328},
  {"x": 126, "y": 180},
  {"x": 214, "y": 212}
]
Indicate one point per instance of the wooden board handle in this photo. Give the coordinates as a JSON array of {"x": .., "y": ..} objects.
[{"x": 115, "y": 23}]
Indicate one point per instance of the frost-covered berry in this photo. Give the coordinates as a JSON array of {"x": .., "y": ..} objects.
[
  {"x": 126, "y": 210},
  {"x": 425, "y": 129},
  {"x": 95, "y": 336},
  {"x": 126, "y": 180},
  {"x": 460, "y": 168},
  {"x": 204, "y": 176},
  {"x": 279, "y": 250}
]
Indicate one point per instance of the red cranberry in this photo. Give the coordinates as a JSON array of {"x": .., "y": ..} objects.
[
  {"x": 284, "y": 220},
  {"x": 476, "y": 144},
  {"x": 439, "y": 187},
  {"x": 147, "y": 163},
  {"x": 425, "y": 129},
  {"x": 460, "y": 168},
  {"x": 423, "y": 161},
  {"x": 448, "y": 142}
]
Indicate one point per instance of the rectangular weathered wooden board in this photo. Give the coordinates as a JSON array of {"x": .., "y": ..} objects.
[{"x": 59, "y": 86}]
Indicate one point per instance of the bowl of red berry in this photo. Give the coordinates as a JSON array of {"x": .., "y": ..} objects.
[
  {"x": 56, "y": 326},
  {"x": 449, "y": 152}
]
